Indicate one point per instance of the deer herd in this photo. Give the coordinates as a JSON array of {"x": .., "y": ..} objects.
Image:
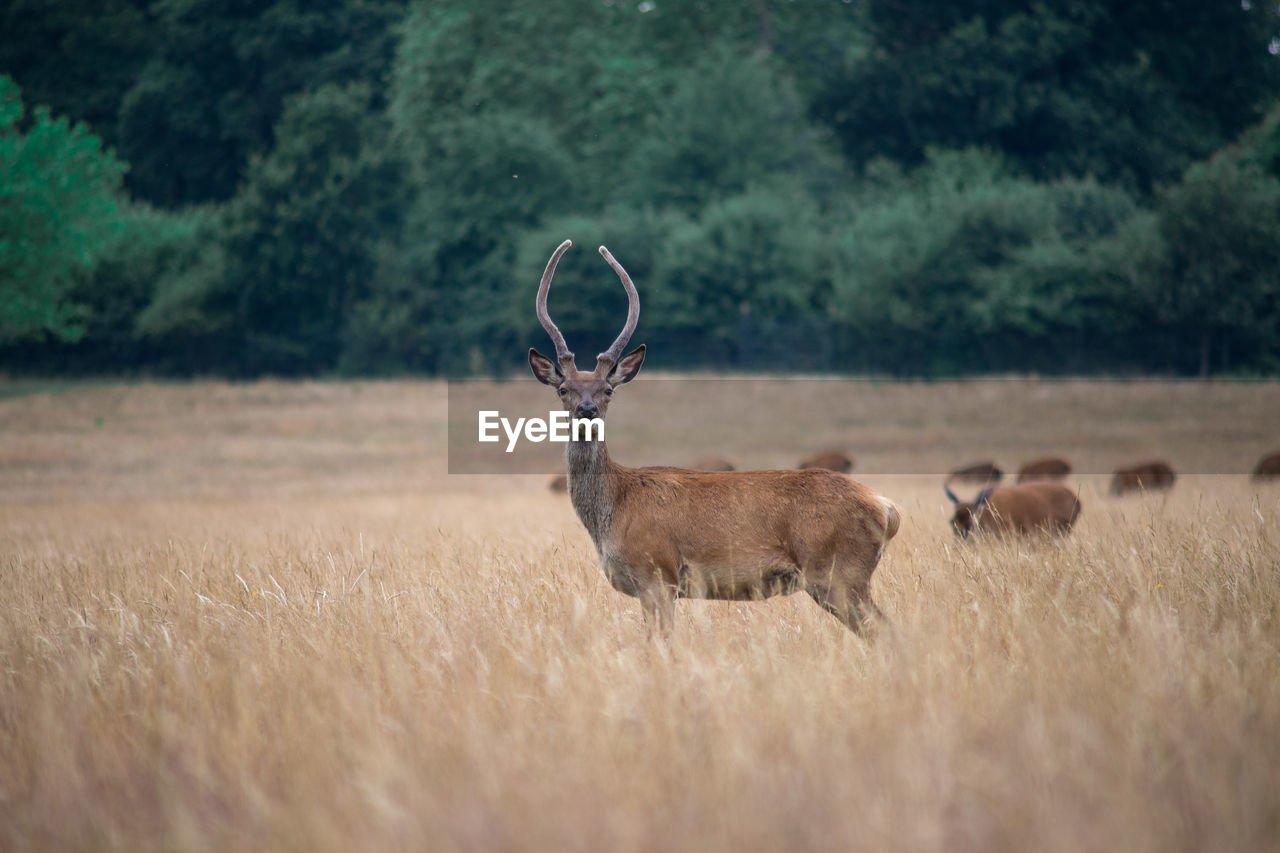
[{"x": 711, "y": 531}]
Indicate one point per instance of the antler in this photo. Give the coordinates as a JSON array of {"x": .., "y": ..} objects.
[
  {"x": 612, "y": 354},
  {"x": 563, "y": 355}
]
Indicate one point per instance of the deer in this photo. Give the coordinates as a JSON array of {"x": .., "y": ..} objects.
[
  {"x": 712, "y": 463},
  {"x": 1268, "y": 468},
  {"x": 1050, "y": 468},
  {"x": 1024, "y": 508},
  {"x": 1149, "y": 476},
  {"x": 978, "y": 472},
  {"x": 661, "y": 533},
  {"x": 833, "y": 460}
]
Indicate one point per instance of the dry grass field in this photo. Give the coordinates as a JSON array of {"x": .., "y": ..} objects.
[{"x": 264, "y": 617}]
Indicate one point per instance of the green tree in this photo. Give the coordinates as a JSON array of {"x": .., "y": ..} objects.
[
  {"x": 636, "y": 112},
  {"x": 189, "y": 324},
  {"x": 718, "y": 135},
  {"x": 295, "y": 250},
  {"x": 483, "y": 181},
  {"x": 1218, "y": 284},
  {"x": 147, "y": 250},
  {"x": 78, "y": 57},
  {"x": 967, "y": 266},
  {"x": 59, "y": 203},
  {"x": 1062, "y": 279},
  {"x": 210, "y": 96},
  {"x": 1259, "y": 147},
  {"x": 1060, "y": 87},
  {"x": 759, "y": 254},
  {"x": 489, "y": 134},
  {"x": 303, "y": 234}
]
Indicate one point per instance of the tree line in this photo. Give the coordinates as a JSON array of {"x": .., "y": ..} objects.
[{"x": 372, "y": 187}]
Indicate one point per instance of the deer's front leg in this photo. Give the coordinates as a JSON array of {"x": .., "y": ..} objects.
[
  {"x": 649, "y": 584},
  {"x": 659, "y": 603}
]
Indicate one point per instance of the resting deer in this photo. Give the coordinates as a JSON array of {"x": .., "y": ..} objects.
[{"x": 668, "y": 533}]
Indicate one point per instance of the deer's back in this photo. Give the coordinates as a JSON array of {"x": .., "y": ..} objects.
[
  {"x": 1032, "y": 505},
  {"x": 707, "y": 515}
]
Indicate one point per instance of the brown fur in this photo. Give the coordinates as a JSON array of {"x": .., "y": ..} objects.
[
  {"x": 1051, "y": 468},
  {"x": 668, "y": 533},
  {"x": 559, "y": 483},
  {"x": 745, "y": 535},
  {"x": 831, "y": 460},
  {"x": 978, "y": 472},
  {"x": 1268, "y": 467},
  {"x": 1035, "y": 507},
  {"x": 1149, "y": 476}
]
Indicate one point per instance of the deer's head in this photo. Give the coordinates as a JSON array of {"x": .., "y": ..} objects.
[
  {"x": 967, "y": 512},
  {"x": 585, "y": 394}
]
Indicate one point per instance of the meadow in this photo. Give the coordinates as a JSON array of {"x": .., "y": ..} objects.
[{"x": 265, "y": 616}]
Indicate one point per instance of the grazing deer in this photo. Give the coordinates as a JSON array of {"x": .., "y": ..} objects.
[
  {"x": 712, "y": 463},
  {"x": 832, "y": 460},
  {"x": 978, "y": 472},
  {"x": 1021, "y": 509},
  {"x": 1149, "y": 476},
  {"x": 667, "y": 533},
  {"x": 1051, "y": 468}
]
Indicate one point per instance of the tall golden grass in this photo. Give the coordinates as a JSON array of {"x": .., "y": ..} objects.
[{"x": 262, "y": 617}]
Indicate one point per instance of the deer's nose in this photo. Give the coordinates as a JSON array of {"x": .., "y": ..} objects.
[{"x": 586, "y": 409}]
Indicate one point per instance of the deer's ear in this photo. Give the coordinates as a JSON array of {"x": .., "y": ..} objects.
[
  {"x": 627, "y": 367},
  {"x": 544, "y": 369}
]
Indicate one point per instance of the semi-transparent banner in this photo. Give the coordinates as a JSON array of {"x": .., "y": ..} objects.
[{"x": 934, "y": 428}]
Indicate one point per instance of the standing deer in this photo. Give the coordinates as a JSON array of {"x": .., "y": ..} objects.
[{"x": 668, "y": 533}]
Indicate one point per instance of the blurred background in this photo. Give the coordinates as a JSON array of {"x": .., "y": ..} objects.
[{"x": 372, "y": 187}]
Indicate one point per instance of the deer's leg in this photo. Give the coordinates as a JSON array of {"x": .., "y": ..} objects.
[
  {"x": 659, "y": 604},
  {"x": 851, "y": 604},
  {"x": 657, "y": 597}
]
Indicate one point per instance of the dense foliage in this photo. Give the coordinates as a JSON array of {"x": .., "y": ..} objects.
[{"x": 373, "y": 186}]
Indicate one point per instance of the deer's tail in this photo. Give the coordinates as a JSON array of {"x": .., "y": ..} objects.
[{"x": 892, "y": 517}]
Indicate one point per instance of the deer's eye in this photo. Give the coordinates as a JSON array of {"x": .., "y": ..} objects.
[
  {"x": 608, "y": 392},
  {"x": 562, "y": 391}
]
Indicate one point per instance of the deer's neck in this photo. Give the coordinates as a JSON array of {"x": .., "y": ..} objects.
[{"x": 590, "y": 486}]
